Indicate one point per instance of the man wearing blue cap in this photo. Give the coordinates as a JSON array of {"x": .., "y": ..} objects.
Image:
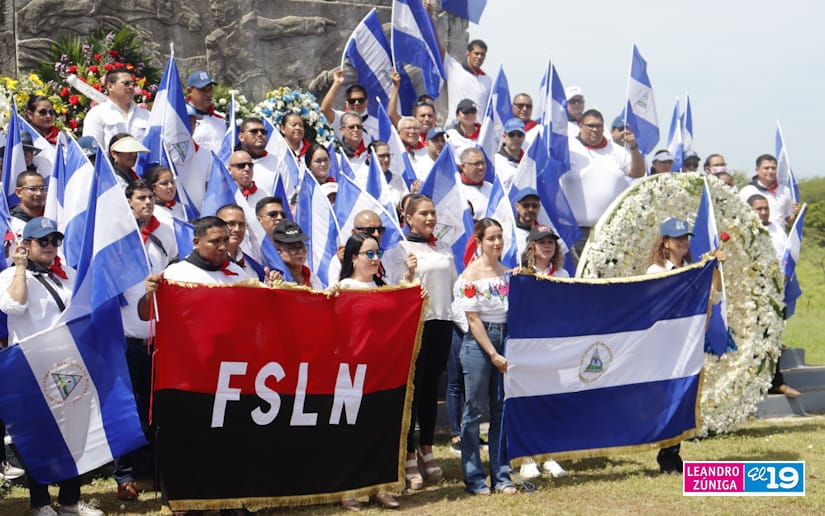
[
  {"x": 211, "y": 127},
  {"x": 436, "y": 140},
  {"x": 528, "y": 206},
  {"x": 511, "y": 152}
]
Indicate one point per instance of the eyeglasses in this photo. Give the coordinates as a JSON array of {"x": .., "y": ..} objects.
[
  {"x": 45, "y": 241},
  {"x": 530, "y": 205},
  {"x": 294, "y": 249},
  {"x": 44, "y": 112},
  {"x": 387, "y": 155},
  {"x": 476, "y": 164},
  {"x": 34, "y": 189},
  {"x": 593, "y": 126},
  {"x": 369, "y": 230},
  {"x": 522, "y": 105},
  {"x": 355, "y": 126},
  {"x": 357, "y": 100},
  {"x": 575, "y": 101},
  {"x": 243, "y": 164},
  {"x": 276, "y": 213},
  {"x": 372, "y": 255},
  {"x": 515, "y": 134},
  {"x": 257, "y": 130},
  {"x": 424, "y": 103}
]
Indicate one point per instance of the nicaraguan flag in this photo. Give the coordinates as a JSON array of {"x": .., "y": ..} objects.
[
  {"x": 616, "y": 365},
  {"x": 403, "y": 176},
  {"x": 499, "y": 109},
  {"x": 467, "y": 9},
  {"x": 642, "y": 113},
  {"x": 555, "y": 117},
  {"x": 230, "y": 138},
  {"x": 674, "y": 139},
  {"x": 352, "y": 199},
  {"x": 314, "y": 215},
  {"x": 54, "y": 205},
  {"x": 378, "y": 184},
  {"x": 489, "y": 135},
  {"x": 414, "y": 42},
  {"x": 784, "y": 172},
  {"x": 73, "y": 190},
  {"x": 45, "y": 159},
  {"x": 789, "y": 260},
  {"x": 501, "y": 209},
  {"x": 687, "y": 125},
  {"x": 368, "y": 52},
  {"x": 455, "y": 222},
  {"x": 706, "y": 240},
  {"x": 14, "y": 163}
]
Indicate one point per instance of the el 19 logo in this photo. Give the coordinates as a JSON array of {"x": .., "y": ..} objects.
[{"x": 776, "y": 478}]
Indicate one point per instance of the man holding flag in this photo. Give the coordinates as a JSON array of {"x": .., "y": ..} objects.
[
  {"x": 210, "y": 128},
  {"x": 357, "y": 101}
]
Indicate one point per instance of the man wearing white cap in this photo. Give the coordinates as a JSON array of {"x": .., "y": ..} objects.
[
  {"x": 575, "y": 109},
  {"x": 119, "y": 114},
  {"x": 210, "y": 127}
]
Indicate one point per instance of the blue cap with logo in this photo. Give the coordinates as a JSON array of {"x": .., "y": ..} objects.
[
  {"x": 39, "y": 227},
  {"x": 199, "y": 79},
  {"x": 674, "y": 228},
  {"x": 435, "y": 131},
  {"x": 514, "y": 124}
]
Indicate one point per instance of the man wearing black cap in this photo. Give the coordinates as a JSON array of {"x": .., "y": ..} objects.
[
  {"x": 464, "y": 134},
  {"x": 289, "y": 241},
  {"x": 210, "y": 128}
]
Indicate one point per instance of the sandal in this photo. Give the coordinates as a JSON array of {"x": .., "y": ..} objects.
[
  {"x": 414, "y": 480},
  {"x": 507, "y": 490},
  {"x": 434, "y": 472}
]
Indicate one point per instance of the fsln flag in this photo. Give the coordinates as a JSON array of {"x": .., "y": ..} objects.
[
  {"x": 501, "y": 209},
  {"x": 674, "y": 139},
  {"x": 467, "y": 9},
  {"x": 687, "y": 125},
  {"x": 784, "y": 172},
  {"x": 603, "y": 369},
  {"x": 641, "y": 115},
  {"x": 230, "y": 138},
  {"x": 455, "y": 222},
  {"x": 368, "y": 52},
  {"x": 413, "y": 41},
  {"x": 789, "y": 260},
  {"x": 314, "y": 215},
  {"x": 706, "y": 240},
  {"x": 14, "y": 163}
]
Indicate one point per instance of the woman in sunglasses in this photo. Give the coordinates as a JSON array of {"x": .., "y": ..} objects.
[
  {"x": 41, "y": 115},
  {"x": 162, "y": 182}
]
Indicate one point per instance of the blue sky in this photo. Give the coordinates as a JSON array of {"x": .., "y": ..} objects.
[{"x": 745, "y": 65}]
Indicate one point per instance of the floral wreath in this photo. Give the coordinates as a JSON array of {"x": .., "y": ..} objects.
[
  {"x": 285, "y": 100},
  {"x": 735, "y": 382}
]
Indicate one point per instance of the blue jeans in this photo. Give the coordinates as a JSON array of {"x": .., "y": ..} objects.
[
  {"x": 483, "y": 396},
  {"x": 455, "y": 384}
]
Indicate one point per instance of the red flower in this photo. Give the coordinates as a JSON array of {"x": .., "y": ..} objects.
[
  {"x": 98, "y": 87},
  {"x": 469, "y": 290},
  {"x": 114, "y": 53},
  {"x": 130, "y": 66},
  {"x": 82, "y": 79},
  {"x": 73, "y": 124},
  {"x": 118, "y": 65},
  {"x": 64, "y": 92},
  {"x": 98, "y": 57},
  {"x": 93, "y": 69},
  {"x": 72, "y": 69},
  {"x": 108, "y": 67},
  {"x": 724, "y": 236},
  {"x": 73, "y": 100}
]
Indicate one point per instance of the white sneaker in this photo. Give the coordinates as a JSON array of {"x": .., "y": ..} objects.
[
  {"x": 10, "y": 472},
  {"x": 554, "y": 469},
  {"x": 81, "y": 508},
  {"x": 529, "y": 469},
  {"x": 46, "y": 510}
]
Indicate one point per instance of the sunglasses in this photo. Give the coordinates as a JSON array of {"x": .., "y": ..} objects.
[
  {"x": 372, "y": 255},
  {"x": 45, "y": 241},
  {"x": 257, "y": 130},
  {"x": 369, "y": 230},
  {"x": 521, "y": 105},
  {"x": 243, "y": 164},
  {"x": 355, "y": 126},
  {"x": 514, "y": 134},
  {"x": 357, "y": 100},
  {"x": 44, "y": 112},
  {"x": 276, "y": 213}
]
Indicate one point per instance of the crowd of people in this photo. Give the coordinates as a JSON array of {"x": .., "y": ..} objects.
[{"x": 465, "y": 325}]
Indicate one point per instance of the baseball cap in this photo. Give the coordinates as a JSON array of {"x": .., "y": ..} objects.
[
  {"x": 618, "y": 123},
  {"x": 466, "y": 106},
  {"x": 89, "y": 145},
  {"x": 527, "y": 192},
  {"x": 128, "y": 144},
  {"x": 27, "y": 142},
  {"x": 675, "y": 228},
  {"x": 39, "y": 227},
  {"x": 690, "y": 154},
  {"x": 199, "y": 79},
  {"x": 539, "y": 232},
  {"x": 435, "y": 131},
  {"x": 663, "y": 155},
  {"x": 514, "y": 124},
  {"x": 288, "y": 232},
  {"x": 572, "y": 91}
]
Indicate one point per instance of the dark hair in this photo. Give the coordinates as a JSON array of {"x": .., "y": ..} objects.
[
  {"x": 594, "y": 113},
  {"x": 351, "y": 250},
  {"x": 250, "y": 120},
  {"x": 354, "y": 88},
  {"x": 267, "y": 200},
  {"x": 312, "y": 150},
  {"x": 377, "y": 143},
  {"x": 476, "y": 43},
  {"x": 203, "y": 224},
  {"x": 481, "y": 226},
  {"x": 137, "y": 184},
  {"x": 756, "y": 197},
  {"x": 112, "y": 76},
  {"x": 764, "y": 157},
  {"x": 152, "y": 176},
  {"x": 414, "y": 201},
  {"x": 707, "y": 160},
  {"x": 21, "y": 179},
  {"x": 421, "y": 104},
  {"x": 230, "y": 206},
  {"x": 290, "y": 114},
  {"x": 33, "y": 101}
]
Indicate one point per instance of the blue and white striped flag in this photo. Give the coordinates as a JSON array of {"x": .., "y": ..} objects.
[
  {"x": 398, "y": 167},
  {"x": 352, "y": 199},
  {"x": 789, "y": 260},
  {"x": 413, "y": 41},
  {"x": 784, "y": 172},
  {"x": 706, "y": 240},
  {"x": 72, "y": 196},
  {"x": 602, "y": 368},
  {"x": 674, "y": 139},
  {"x": 14, "y": 163},
  {"x": 687, "y": 126},
  {"x": 455, "y": 222},
  {"x": 501, "y": 208},
  {"x": 314, "y": 215},
  {"x": 555, "y": 118},
  {"x": 230, "y": 138},
  {"x": 642, "y": 113}
]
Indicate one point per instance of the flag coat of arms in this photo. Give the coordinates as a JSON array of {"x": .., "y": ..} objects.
[
  {"x": 268, "y": 393},
  {"x": 615, "y": 367}
]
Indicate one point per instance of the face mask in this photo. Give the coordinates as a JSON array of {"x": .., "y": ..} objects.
[{"x": 718, "y": 169}]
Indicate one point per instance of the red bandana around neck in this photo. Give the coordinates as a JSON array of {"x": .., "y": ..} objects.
[
  {"x": 170, "y": 204},
  {"x": 600, "y": 145},
  {"x": 529, "y": 125},
  {"x": 249, "y": 191},
  {"x": 477, "y": 71},
  {"x": 360, "y": 149},
  {"x": 419, "y": 145},
  {"x": 303, "y": 149},
  {"x": 474, "y": 134},
  {"x": 57, "y": 270},
  {"x": 148, "y": 228},
  {"x": 225, "y": 269},
  {"x": 51, "y": 136},
  {"x": 467, "y": 181}
]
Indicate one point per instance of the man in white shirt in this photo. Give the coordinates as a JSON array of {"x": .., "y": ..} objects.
[
  {"x": 759, "y": 204},
  {"x": 235, "y": 219},
  {"x": 357, "y": 100},
  {"x": 509, "y": 155},
  {"x": 119, "y": 114},
  {"x": 252, "y": 138},
  {"x": 783, "y": 208},
  {"x": 435, "y": 144},
  {"x": 475, "y": 189},
  {"x": 575, "y": 109},
  {"x": 466, "y": 80},
  {"x": 210, "y": 127}
]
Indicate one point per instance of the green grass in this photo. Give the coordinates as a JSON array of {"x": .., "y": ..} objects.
[
  {"x": 620, "y": 484},
  {"x": 806, "y": 329}
]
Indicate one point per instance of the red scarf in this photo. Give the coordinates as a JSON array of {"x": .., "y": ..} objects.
[
  {"x": 57, "y": 270},
  {"x": 476, "y": 71},
  {"x": 600, "y": 145},
  {"x": 422, "y": 139},
  {"x": 467, "y": 181},
  {"x": 212, "y": 112},
  {"x": 147, "y": 229},
  {"x": 304, "y": 148},
  {"x": 360, "y": 149},
  {"x": 51, "y": 136},
  {"x": 249, "y": 191},
  {"x": 529, "y": 125},
  {"x": 772, "y": 189},
  {"x": 170, "y": 204},
  {"x": 473, "y": 135},
  {"x": 134, "y": 175},
  {"x": 225, "y": 269},
  {"x": 419, "y": 145}
]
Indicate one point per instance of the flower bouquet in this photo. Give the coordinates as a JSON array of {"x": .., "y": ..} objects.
[{"x": 285, "y": 100}]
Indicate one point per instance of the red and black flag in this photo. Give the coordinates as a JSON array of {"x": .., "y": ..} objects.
[{"x": 266, "y": 397}]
